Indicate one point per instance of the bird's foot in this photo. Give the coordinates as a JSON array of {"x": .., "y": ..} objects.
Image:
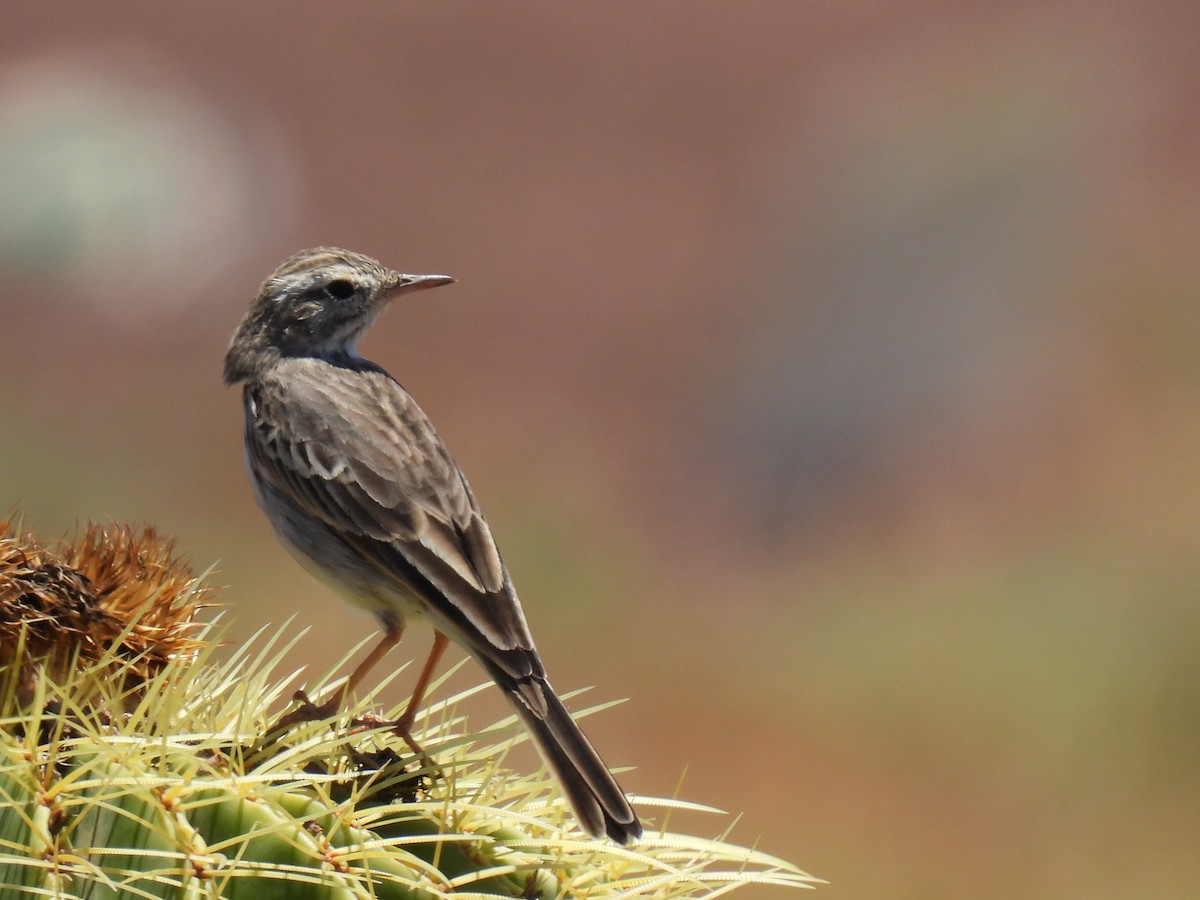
[
  {"x": 306, "y": 711},
  {"x": 402, "y": 728}
]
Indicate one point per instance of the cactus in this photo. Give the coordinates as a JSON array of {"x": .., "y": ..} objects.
[{"x": 134, "y": 764}]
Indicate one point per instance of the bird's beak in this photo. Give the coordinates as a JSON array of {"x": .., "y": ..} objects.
[{"x": 404, "y": 283}]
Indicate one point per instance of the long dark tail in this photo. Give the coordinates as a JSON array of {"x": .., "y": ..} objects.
[{"x": 594, "y": 795}]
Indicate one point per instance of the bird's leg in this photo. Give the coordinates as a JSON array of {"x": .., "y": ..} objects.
[
  {"x": 308, "y": 711},
  {"x": 403, "y": 725},
  {"x": 391, "y": 637}
]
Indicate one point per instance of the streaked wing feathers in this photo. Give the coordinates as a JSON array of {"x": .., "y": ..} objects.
[{"x": 350, "y": 446}]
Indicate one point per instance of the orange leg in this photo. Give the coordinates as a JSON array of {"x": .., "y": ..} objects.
[
  {"x": 390, "y": 639},
  {"x": 308, "y": 711},
  {"x": 404, "y": 724}
]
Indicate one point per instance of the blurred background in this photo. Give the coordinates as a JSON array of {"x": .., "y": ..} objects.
[{"x": 830, "y": 374}]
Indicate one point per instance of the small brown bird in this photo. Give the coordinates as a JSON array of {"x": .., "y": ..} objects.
[{"x": 361, "y": 489}]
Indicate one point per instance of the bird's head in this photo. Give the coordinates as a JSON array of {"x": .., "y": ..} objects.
[{"x": 316, "y": 303}]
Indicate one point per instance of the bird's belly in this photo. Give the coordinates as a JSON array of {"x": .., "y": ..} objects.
[{"x": 319, "y": 550}]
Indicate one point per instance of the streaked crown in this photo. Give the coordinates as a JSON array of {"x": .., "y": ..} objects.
[{"x": 316, "y": 303}]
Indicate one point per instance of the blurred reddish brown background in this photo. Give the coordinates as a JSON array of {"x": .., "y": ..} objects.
[{"x": 830, "y": 374}]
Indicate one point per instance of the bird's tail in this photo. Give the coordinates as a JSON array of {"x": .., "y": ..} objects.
[{"x": 593, "y": 792}]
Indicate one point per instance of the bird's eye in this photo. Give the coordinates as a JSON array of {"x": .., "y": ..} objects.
[{"x": 340, "y": 289}]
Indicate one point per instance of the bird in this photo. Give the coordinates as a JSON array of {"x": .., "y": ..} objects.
[{"x": 361, "y": 489}]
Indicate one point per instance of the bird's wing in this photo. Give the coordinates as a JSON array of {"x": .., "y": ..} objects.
[{"x": 349, "y": 446}]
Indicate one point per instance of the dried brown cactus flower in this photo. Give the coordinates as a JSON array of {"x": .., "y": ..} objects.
[{"x": 116, "y": 594}]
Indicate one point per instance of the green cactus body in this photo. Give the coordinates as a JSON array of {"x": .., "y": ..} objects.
[
  {"x": 95, "y": 820},
  {"x": 120, "y": 786}
]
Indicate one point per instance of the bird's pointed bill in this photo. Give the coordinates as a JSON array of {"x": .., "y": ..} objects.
[{"x": 403, "y": 283}]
